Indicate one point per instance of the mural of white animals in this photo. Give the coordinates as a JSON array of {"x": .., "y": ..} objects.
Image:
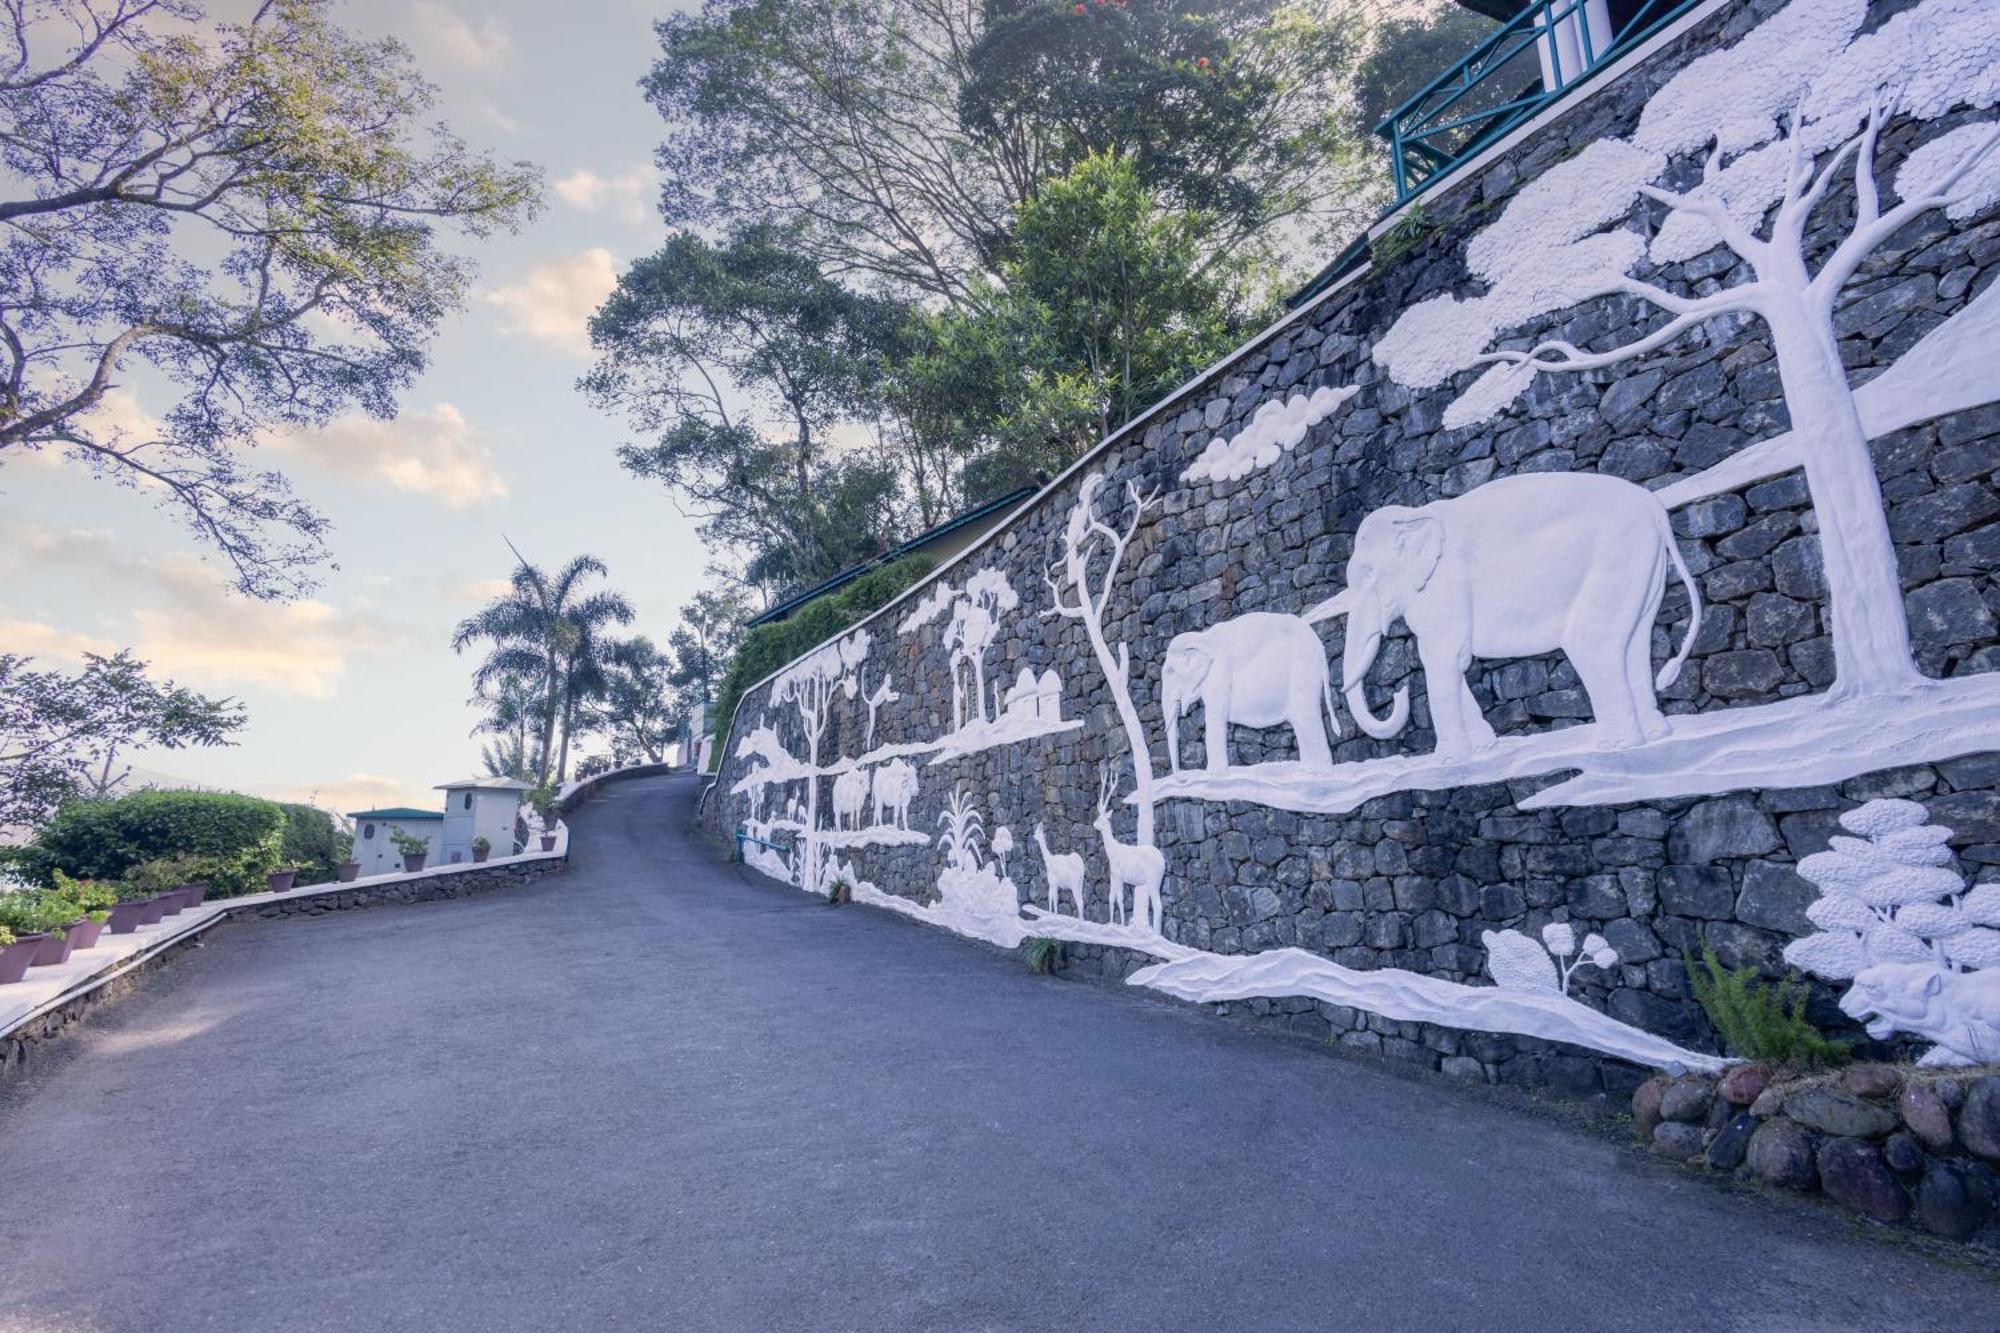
[
  {"x": 895, "y": 786},
  {"x": 1136, "y": 868},
  {"x": 1258, "y": 670},
  {"x": 850, "y": 798},
  {"x": 1064, "y": 872}
]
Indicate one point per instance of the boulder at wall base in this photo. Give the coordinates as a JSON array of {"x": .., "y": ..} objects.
[
  {"x": 1743, "y": 1084},
  {"x": 1781, "y": 1154},
  {"x": 1726, "y": 1151},
  {"x": 1954, "y": 1199},
  {"x": 1925, "y": 1113},
  {"x": 1831, "y": 1111},
  {"x": 1687, "y": 1100},
  {"x": 1903, "y": 1153},
  {"x": 1852, "y": 1172},
  {"x": 1979, "y": 1118},
  {"x": 1677, "y": 1139},
  {"x": 1870, "y": 1080},
  {"x": 1646, "y": 1106}
]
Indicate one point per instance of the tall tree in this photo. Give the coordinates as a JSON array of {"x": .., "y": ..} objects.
[
  {"x": 61, "y": 732},
  {"x": 549, "y": 629},
  {"x": 512, "y": 716},
  {"x": 636, "y": 704},
  {"x": 246, "y": 211},
  {"x": 740, "y": 361},
  {"x": 701, "y": 646}
]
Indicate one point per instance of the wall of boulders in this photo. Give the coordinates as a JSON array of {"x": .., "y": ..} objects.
[
  {"x": 1911, "y": 1146},
  {"x": 1413, "y": 880}
]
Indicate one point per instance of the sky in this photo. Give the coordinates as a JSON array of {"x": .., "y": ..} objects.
[{"x": 355, "y": 698}]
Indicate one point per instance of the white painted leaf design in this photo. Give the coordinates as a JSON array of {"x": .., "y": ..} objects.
[
  {"x": 1982, "y": 904},
  {"x": 1840, "y": 913},
  {"x": 1892, "y": 944},
  {"x": 1932, "y": 919},
  {"x": 1977, "y": 947},
  {"x": 1884, "y": 815},
  {"x": 1517, "y": 962},
  {"x": 1834, "y": 955}
]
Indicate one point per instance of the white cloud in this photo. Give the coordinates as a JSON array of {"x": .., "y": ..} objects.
[
  {"x": 35, "y": 638},
  {"x": 191, "y": 625},
  {"x": 628, "y": 196},
  {"x": 554, "y": 302},
  {"x": 431, "y": 453},
  {"x": 444, "y": 36},
  {"x": 356, "y": 791}
]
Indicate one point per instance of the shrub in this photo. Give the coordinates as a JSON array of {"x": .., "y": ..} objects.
[
  {"x": 27, "y": 912},
  {"x": 313, "y": 842},
  {"x": 229, "y": 840},
  {"x": 769, "y": 647},
  {"x": 409, "y": 844},
  {"x": 91, "y": 895},
  {"x": 1760, "y": 1021},
  {"x": 1044, "y": 955}
]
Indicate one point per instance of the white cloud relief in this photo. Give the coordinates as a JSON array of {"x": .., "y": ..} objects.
[
  {"x": 432, "y": 453},
  {"x": 554, "y": 301}
]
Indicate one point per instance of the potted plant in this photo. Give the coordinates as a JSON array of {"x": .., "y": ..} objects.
[
  {"x": 482, "y": 846},
  {"x": 51, "y": 918},
  {"x": 93, "y": 901},
  {"x": 16, "y": 955},
  {"x": 350, "y": 870},
  {"x": 413, "y": 848},
  {"x": 544, "y": 802},
  {"x": 197, "y": 889},
  {"x": 282, "y": 879}
]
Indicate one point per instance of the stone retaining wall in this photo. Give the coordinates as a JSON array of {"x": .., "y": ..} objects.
[{"x": 1418, "y": 880}]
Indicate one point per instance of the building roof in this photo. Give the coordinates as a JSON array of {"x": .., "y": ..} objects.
[
  {"x": 486, "y": 784},
  {"x": 395, "y": 812},
  {"x": 991, "y": 511}
]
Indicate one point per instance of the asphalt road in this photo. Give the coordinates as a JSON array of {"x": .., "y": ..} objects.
[{"x": 656, "y": 1093}]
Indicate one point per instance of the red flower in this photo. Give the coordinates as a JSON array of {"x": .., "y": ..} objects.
[
  {"x": 1201, "y": 62},
  {"x": 1078, "y": 10}
]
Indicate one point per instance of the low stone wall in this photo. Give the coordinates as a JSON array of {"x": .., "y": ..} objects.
[
  {"x": 1914, "y": 1147},
  {"x": 424, "y": 887}
]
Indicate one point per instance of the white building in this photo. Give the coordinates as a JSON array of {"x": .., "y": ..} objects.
[
  {"x": 479, "y": 808},
  {"x": 377, "y": 851}
]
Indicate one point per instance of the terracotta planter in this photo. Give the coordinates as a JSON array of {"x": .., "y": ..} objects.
[
  {"x": 55, "y": 949},
  {"x": 127, "y": 917},
  {"x": 194, "y": 891},
  {"x": 175, "y": 900},
  {"x": 16, "y": 958},
  {"x": 548, "y": 842},
  {"x": 84, "y": 934},
  {"x": 414, "y": 861},
  {"x": 155, "y": 909},
  {"x": 281, "y": 880},
  {"x": 349, "y": 870},
  {"x": 478, "y": 856}
]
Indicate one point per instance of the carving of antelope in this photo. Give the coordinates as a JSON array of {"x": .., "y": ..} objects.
[
  {"x": 1064, "y": 870},
  {"x": 1137, "y": 867}
]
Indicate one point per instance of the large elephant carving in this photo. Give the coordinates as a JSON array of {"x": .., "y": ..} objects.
[
  {"x": 1257, "y": 670},
  {"x": 1515, "y": 568}
]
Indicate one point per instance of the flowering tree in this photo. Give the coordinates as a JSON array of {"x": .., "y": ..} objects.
[
  {"x": 1783, "y": 114},
  {"x": 1087, "y": 543},
  {"x": 1889, "y": 895}
]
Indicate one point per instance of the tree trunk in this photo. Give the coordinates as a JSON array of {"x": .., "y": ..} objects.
[{"x": 1870, "y": 629}]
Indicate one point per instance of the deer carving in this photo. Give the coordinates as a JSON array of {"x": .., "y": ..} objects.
[
  {"x": 1064, "y": 870},
  {"x": 1137, "y": 867}
]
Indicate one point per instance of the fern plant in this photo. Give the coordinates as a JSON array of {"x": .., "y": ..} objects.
[
  {"x": 839, "y": 891},
  {"x": 1759, "y": 1020},
  {"x": 1044, "y": 955}
]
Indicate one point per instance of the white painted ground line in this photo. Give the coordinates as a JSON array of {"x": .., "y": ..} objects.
[{"x": 46, "y": 988}]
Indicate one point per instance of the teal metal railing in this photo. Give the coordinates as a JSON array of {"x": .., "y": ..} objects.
[{"x": 1530, "y": 61}]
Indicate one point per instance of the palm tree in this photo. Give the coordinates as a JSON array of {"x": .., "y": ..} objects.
[
  {"x": 542, "y": 629},
  {"x": 511, "y": 711}
]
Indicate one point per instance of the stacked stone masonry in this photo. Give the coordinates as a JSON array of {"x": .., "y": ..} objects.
[{"x": 1413, "y": 880}]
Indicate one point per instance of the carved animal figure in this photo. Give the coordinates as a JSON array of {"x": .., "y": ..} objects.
[
  {"x": 885, "y": 693},
  {"x": 850, "y": 797},
  {"x": 1134, "y": 867},
  {"x": 1257, "y": 670},
  {"x": 1960, "y": 1011},
  {"x": 895, "y": 786},
  {"x": 1064, "y": 870},
  {"x": 1516, "y": 568}
]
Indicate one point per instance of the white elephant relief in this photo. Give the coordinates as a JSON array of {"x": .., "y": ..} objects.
[
  {"x": 1518, "y": 567},
  {"x": 1257, "y": 670}
]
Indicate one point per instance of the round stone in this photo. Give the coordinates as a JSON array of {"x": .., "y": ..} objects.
[
  {"x": 1852, "y": 1172},
  {"x": 1781, "y": 1154}
]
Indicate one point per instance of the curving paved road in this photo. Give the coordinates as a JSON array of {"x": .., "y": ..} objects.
[{"x": 655, "y": 1094}]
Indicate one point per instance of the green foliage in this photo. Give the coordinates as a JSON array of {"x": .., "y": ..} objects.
[
  {"x": 151, "y": 878},
  {"x": 247, "y": 212},
  {"x": 1759, "y": 1020},
  {"x": 1043, "y": 955},
  {"x": 314, "y": 843},
  {"x": 838, "y": 892},
  {"x": 482, "y": 845},
  {"x": 1408, "y": 233},
  {"x": 767, "y": 647},
  {"x": 232, "y": 841},
  {"x": 409, "y": 844},
  {"x": 92, "y": 895},
  {"x": 33, "y": 912}
]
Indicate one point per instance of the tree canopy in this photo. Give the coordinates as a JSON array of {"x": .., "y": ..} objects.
[{"x": 247, "y": 212}]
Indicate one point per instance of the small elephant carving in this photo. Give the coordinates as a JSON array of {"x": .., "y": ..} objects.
[
  {"x": 1518, "y": 567},
  {"x": 1257, "y": 670}
]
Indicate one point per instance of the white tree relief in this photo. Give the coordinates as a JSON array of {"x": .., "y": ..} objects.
[
  {"x": 1275, "y": 429},
  {"x": 1908, "y": 66},
  {"x": 1089, "y": 542},
  {"x": 1901, "y": 924},
  {"x": 810, "y": 688},
  {"x": 1516, "y": 962},
  {"x": 981, "y": 717}
]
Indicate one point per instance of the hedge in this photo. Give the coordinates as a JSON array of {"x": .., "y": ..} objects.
[
  {"x": 768, "y": 647},
  {"x": 313, "y": 842},
  {"x": 234, "y": 840}
]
